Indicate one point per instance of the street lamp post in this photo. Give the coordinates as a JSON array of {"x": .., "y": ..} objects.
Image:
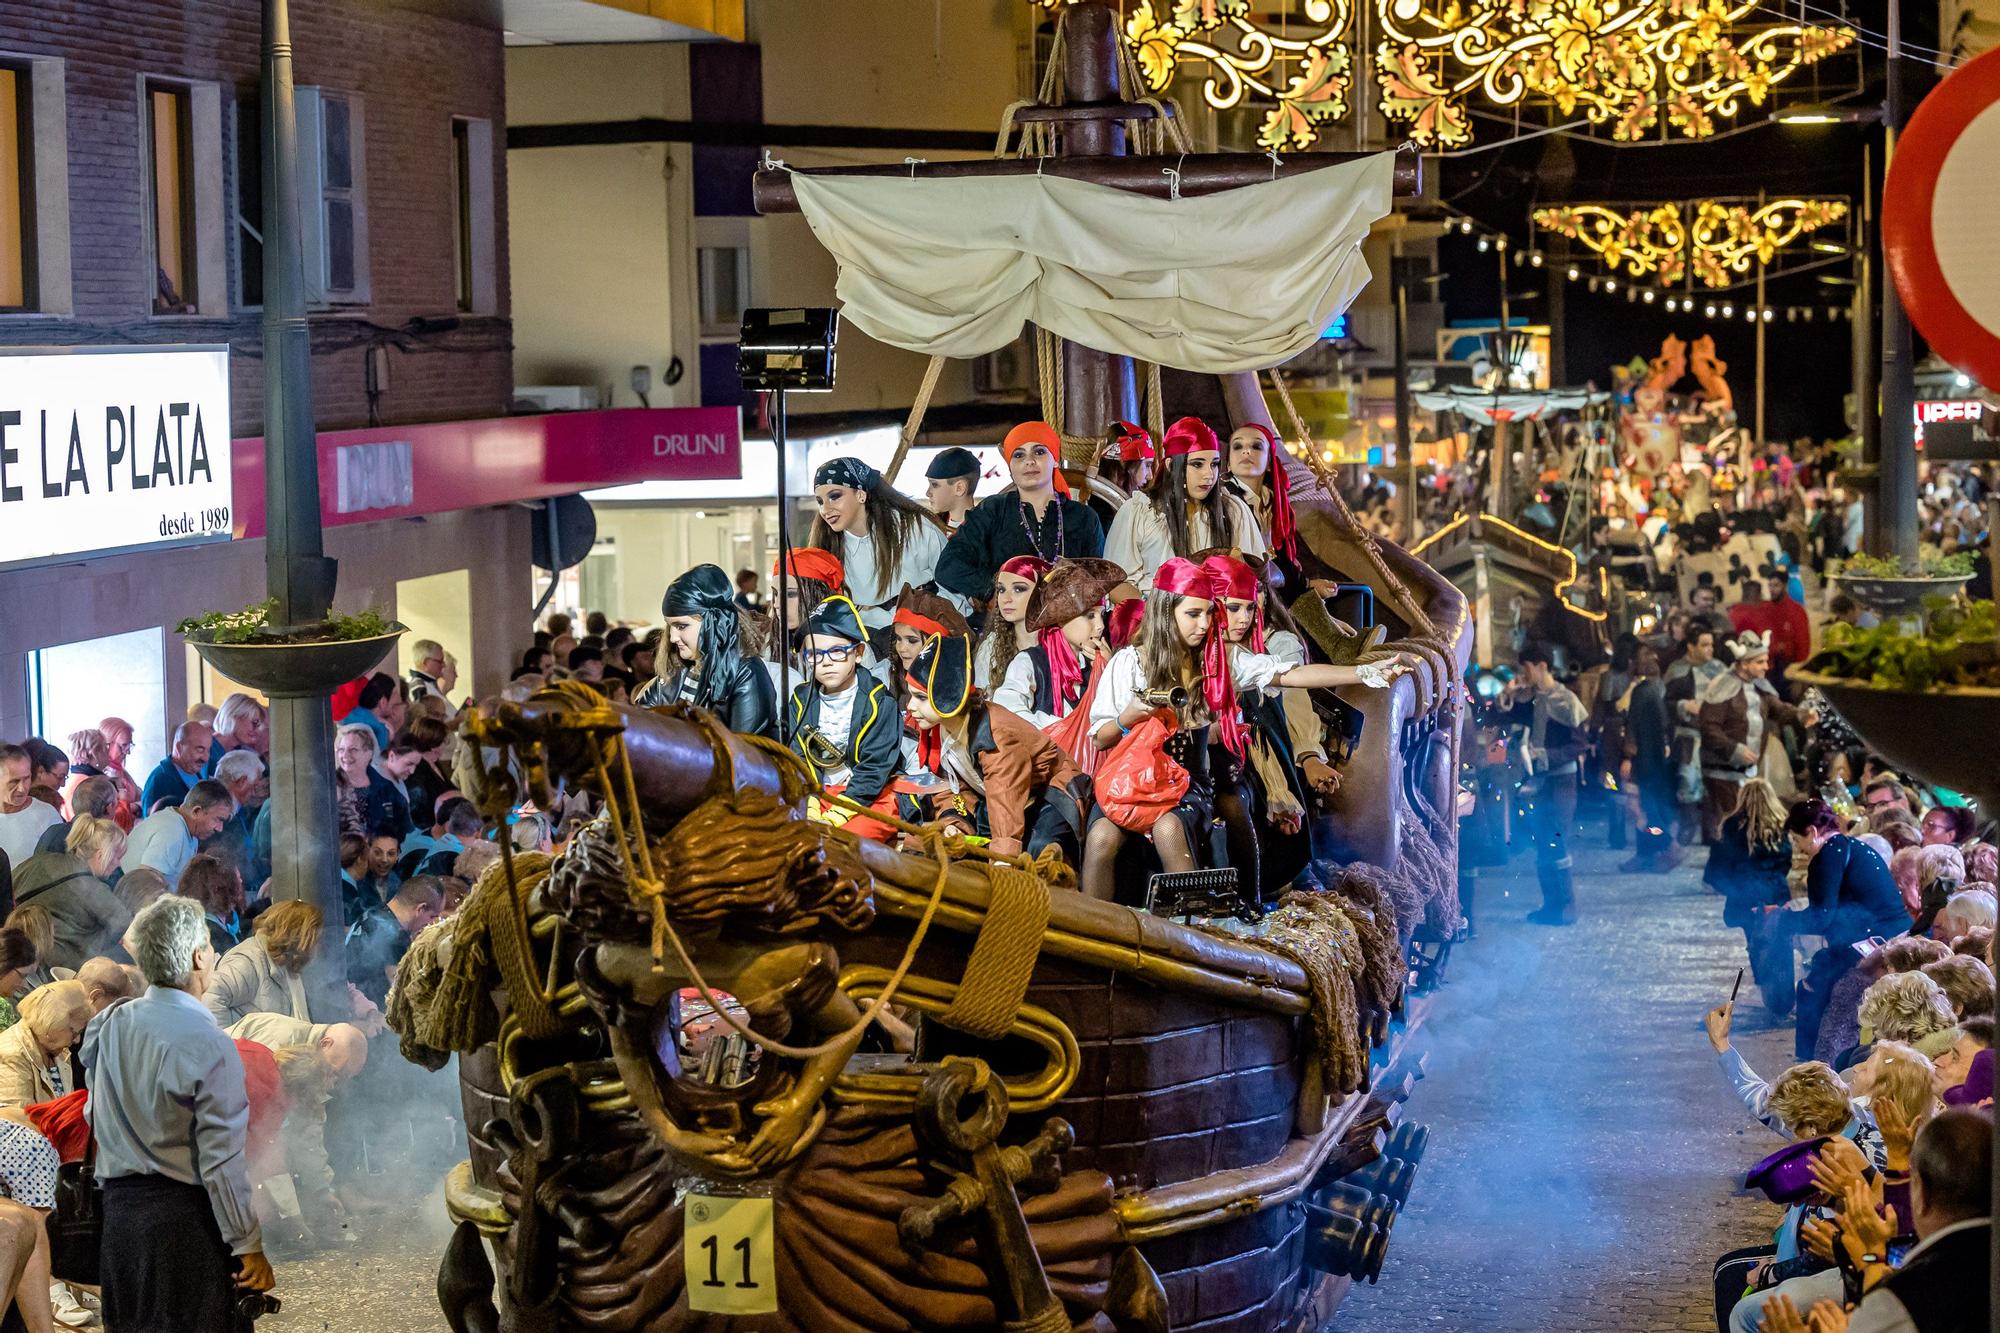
[{"x": 304, "y": 827}]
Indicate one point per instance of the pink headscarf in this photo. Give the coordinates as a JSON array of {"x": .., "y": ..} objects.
[
  {"x": 1234, "y": 578},
  {"x": 1184, "y": 578}
]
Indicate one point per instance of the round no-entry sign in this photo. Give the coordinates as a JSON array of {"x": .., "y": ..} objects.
[{"x": 1939, "y": 207}]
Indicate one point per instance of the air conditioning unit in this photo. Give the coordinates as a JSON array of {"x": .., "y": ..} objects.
[
  {"x": 1007, "y": 372},
  {"x": 558, "y": 397}
]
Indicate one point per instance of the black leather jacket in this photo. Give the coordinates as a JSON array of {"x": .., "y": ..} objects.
[{"x": 746, "y": 702}]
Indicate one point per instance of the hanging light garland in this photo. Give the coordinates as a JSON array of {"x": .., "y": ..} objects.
[
  {"x": 1718, "y": 239},
  {"x": 1625, "y": 64}
]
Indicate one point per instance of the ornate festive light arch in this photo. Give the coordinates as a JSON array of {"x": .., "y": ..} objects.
[
  {"x": 1718, "y": 239},
  {"x": 1625, "y": 64}
]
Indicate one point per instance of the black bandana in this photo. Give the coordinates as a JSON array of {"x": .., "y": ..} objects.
[
  {"x": 705, "y": 591},
  {"x": 849, "y": 472}
]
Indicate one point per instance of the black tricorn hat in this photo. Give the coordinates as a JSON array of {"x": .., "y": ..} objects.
[
  {"x": 943, "y": 671},
  {"x": 836, "y": 617}
]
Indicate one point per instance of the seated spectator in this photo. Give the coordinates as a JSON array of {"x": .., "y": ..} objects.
[
  {"x": 1966, "y": 982},
  {"x": 168, "y": 840},
  {"x": 267, "y": 973},
  {"x": 458, "y": 827},
  {"x": 1949, "y": 1069},
  {"x": 1942, "y": 1282},
  {"x": 1949, "y": 826},
  {"x": 219, "y": 890},
  {"x": 94, "y": 795},
  {"x": 17, "y": 958},
  {"x": 35, "y": 922},
  {"x": 105, "y": 982},
  {"x": 1976, "y": 943},
  {"x": 175, "y": 776},
  {"x": 34, "y": 1053},
  {"x": 377, "y": 942},
  {"x": 73, "y": 887},
  {"x": 1906, "y": 1007},
  {"x": 139, "y": 886},
  {"x": 379, "y": 708},
  {"x": 384, "y": 849},
  {"x": 1982, "y": 862},
  {"x": 243, "y": 773},
  {"x": 356, "y": 895},
  {"x": 1967, "y": 910},
  {"x": 1840, "y": 1030},
  {"x": 369, "y": 801}
]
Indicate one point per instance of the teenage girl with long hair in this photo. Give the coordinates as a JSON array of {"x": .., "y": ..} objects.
[
  {"x": 1182, "y": 645},
  {"x": 1185, "y": 510},
  {"x": 1007, "y": 630},
  {"x": 883, "y": 539},
  {"x": 1256, "y": 469}
]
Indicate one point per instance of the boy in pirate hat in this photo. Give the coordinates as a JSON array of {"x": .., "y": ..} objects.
[
  {"x": 1010, "y": 779},
  {"x": 844, "y": 722}
]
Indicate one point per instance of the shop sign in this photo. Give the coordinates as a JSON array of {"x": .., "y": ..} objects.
[{"x": 106, "y": 450}]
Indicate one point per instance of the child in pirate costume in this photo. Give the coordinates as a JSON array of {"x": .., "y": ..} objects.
[
  {"x": 1256, "y": 468},
  {"x": 920, "y": 617},
  {"x": 843, "y": 720},
  {"x": 1066, "y": 615},
  {"x": 1011, "y": 782},
  {"x": 712, "y": 662},
  {"x": 1186, "y": 509},
  {"x": 806, "y": 576}
]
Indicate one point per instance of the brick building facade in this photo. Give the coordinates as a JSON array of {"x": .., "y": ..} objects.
[{"x": 121, "y": 105}]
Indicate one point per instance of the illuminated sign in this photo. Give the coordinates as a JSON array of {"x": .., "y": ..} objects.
[
  {"x": 1929, "y": 410},
  {"x": 109, "y": 450}
]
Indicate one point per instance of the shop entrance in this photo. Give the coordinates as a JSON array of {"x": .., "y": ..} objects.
[
  {"x": 439, "y": 607},
  {"x": 72, "y": 686}
]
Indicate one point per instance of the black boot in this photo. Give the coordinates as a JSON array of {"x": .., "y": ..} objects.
[{"x": 1558, "y": 897}]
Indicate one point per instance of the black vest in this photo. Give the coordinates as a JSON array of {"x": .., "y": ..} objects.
[
  {"x": 1045, "y": 690},
  {"x": 1945, "y": 1287}
]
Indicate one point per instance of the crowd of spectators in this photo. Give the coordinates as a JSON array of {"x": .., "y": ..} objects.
[{"x": 249, "y": 1098}]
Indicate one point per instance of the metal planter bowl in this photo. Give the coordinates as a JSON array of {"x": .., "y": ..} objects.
[
  {"x": 1898, "y": 596},
  {"x": 297, "y": 670},
  {"x": 1944, "y": 736}
]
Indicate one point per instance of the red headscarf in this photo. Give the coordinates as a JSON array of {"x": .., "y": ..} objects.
[
  {"x": 918, "y": 621},
  {"x": 1234, "y": 578},
  {"x": 1026, "y": 567},
  {"x": 1184, "y": 578},
  {"x": 1065, "y": 670},
  {"x": 1134, "y": 442},
  {"x": 809, "y": 562},
  {"x": 1036, "y": 432},
  {"x": 1122, "y": 625},
  {"x": 1189, "y": 435},
  {"x": 1284, "y": 528}
]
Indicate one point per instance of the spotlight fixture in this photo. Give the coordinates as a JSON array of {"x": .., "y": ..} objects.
[
  {"x": 1573, "y": 273},
  {"x": 1484, "y": 245},
  {"x": 1728, "y": 310},
  {"x": 1647, "y": 296},
  {"x": 1611, "y": 284},
  {"x": 1768, "y": 312},
  {"x": 1709, "y": 310},
  {"x": 1536, "y": 259}
]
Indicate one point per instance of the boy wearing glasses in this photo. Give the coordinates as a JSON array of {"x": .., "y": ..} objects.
[{"x": 845, "y": 723}]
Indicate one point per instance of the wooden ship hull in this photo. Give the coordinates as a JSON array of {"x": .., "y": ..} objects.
[{"x": 1202, "y": 1142}]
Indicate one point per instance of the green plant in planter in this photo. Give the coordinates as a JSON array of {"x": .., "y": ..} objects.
[
  {"x": 1955, "y": 566},
  {"x": 254, "y": 622},
  {"x": 1960, "y": 646}
]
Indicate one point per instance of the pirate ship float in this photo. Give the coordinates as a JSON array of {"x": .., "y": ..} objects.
[{"x": 1110, "y": 1120}]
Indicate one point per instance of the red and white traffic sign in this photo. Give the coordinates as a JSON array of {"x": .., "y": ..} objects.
[{"x": 1938, "y": 211}]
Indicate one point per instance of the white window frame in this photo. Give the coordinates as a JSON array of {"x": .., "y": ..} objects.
[
  {"x": 49, "y": 150},
  {"x": 481, "y": 228},
  {"x": 211, "y": 211},
  {"x": 314, "y": 194}
]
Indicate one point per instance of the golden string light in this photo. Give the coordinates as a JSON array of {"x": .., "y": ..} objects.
[
  {"x": 1718, "y": 239},
  {"x": 1629, "y": 65}
]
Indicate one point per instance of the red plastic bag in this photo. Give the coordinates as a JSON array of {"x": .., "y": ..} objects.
[
  {"x": 1137, "y": 783},
  {"x": 1072, "y": 731}
]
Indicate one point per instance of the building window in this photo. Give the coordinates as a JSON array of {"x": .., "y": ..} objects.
[
  {"x": 170, "y": 138},
  {"x": 461, "y": 213},
  {"x": 17, "y": 190},
  {"x": 333, "y": 196},
  {"x": 475, "y": 284},
  {"x": 723, "y": 272},
  {"x": 249, "y": 203}
]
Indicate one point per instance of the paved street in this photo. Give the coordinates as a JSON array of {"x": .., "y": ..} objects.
[{"x": 1583, "y": 1142}]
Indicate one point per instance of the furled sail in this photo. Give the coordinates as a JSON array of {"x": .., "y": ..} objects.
[{"x": 1218, "y": 283}]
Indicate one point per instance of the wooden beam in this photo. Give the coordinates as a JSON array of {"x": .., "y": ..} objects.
[
  {"x": 1205, "y": 173},
  {"x": 745, "y": 134}
]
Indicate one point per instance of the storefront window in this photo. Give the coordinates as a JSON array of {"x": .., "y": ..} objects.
[{"x": 76, "y": 685}]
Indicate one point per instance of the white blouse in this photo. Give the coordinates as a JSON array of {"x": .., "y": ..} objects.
[
  {"x": 1140, "y": 543},
  {"x": 1123, "y": 682},
  {"x": 875, "y": 590}
]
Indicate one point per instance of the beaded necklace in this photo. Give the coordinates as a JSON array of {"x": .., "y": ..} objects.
[{"x": 1032, "y": 528}]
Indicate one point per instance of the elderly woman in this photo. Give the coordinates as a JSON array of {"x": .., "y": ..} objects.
[
  {"x": 171, "y": 1118},
  {"x": 33, "y": 1063},
  {"x": 117, "y": 733},
  {"x": 1906, "y": 1007},
  {"x": 73, "y": 886},
  {"x": 267, "y": 972}
]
